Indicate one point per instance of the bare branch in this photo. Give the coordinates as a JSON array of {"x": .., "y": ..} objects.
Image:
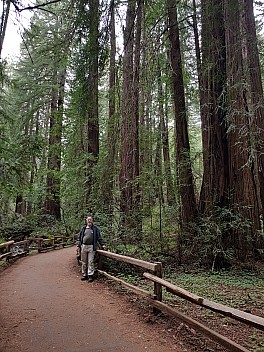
[{"x": 40, "y": 6}]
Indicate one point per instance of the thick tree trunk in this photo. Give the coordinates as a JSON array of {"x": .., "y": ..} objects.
[
  {"x": 53, "y": 188},
  {"x": 92, "y": 124},
  {"x": 126, "y": 172},
  {"x": 109, "y": 170},
  {"x": 232, "y": 123},
  {"x": 52, "y": 202},
  {"x": 146, "y": 126},
  {"x": 129, "y": 197},
  {"x": 92, "y": 81},
  {"x": 213, "y": 109},
  {"x": 245, "y": 121},
  {"x": 184, "y": 170}
]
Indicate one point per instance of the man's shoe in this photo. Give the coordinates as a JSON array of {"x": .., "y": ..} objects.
[
  {"x": 90, "y": 278},
  {"x": 84, "y": 278}
]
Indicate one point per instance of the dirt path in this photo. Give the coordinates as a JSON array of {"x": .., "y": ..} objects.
[{"x": 44, "y": 306}]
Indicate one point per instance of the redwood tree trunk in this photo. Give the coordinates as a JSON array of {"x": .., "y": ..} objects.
[
  {"x": 52, "y": 202},
  {"x": 184, "y": 170},
  {"x": 129, "y": 191},
  {"x": 232, "y": 123},
  {"x": 213, "y": 109},
  {"x": 110, "y": 158},
  {"x": 171, "y": 199},
  {"x": 245, "y": 122},
  {"x": 92, "y": 73}
]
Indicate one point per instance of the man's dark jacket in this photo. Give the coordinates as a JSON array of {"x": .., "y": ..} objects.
[{"x": 96, "y": 236}]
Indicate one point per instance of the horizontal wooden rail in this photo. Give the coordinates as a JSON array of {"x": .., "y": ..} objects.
[
  {"x": 5, "y": 255},
  {"x": 247, "y": 318},
  {"x": 156, "y": 268},
  {"x": 141, "y": 263},
  {"x": 33, "y": 243},
  {"x": 6, "y": 244},
  {"x": 134, "y": 288},
  {"x": 222, "y": 340},
  {"x": 20, "y": 243}
]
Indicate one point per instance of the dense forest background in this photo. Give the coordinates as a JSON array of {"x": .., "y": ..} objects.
[{"x": 149, "y": 115}]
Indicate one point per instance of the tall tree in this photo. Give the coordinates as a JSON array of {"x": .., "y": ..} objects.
[
  {"x": 87, "y": 75},
  {"x": 213, "y": 110},
  {"x": 232, "y": 121},
  {"x": 110, "y": 158},
  {"x": 129, "y": 199},
  {"x": 63, "y": 36},
  {"x": 245, "y": 120},
  {"x": 171, "y": 199},
  {"x": 183, "y": 160}
]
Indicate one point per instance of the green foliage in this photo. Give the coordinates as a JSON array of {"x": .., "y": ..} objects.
[
  {"x": 212, "y": 244},
  {"x": 25, "y": 99},
  {"x": 13, "y": 227},
  {"x": 17, "y": 227},
  {"x": 258, "y": 340}
]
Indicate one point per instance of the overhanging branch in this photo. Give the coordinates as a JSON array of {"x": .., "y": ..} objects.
[{"x": 40, "y": 6}]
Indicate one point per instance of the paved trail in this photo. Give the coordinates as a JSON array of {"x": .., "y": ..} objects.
[{"x": 44, "y": 306}]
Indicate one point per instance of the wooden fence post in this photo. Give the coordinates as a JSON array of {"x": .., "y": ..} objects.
[
  {"x": 157, "y": 286},
  {"x": 39, "y": 241},
  {"x": 8, "y": 248},
  {"x": 100, "y": 261},
  {"x": 26, "y": 246}
]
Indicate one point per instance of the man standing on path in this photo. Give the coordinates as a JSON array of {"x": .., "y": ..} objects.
[{"x": 87, "y": 239}]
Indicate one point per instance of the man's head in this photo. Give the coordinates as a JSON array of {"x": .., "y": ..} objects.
[{"x": 89, "y": 221}]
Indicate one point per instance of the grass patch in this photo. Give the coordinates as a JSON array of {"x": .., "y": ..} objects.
[{"x": 234, "y": 288}]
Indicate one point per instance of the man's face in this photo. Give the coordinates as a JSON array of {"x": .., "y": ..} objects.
[{"x": 89, "y": 221}]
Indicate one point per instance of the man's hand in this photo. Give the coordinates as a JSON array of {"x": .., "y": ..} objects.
[
  {"x": 104, "y": 248},
  {"x": 78, "y": 251}
]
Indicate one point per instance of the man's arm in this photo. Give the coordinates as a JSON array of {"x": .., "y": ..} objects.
[
  {"x": 100, "y": 238},
  {"x": 79, "y": 239}
]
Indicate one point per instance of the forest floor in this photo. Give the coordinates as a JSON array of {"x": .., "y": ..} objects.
[{"x": 132, "y": 321}]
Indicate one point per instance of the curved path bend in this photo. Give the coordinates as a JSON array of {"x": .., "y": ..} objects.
[{"x": 44, "y": 306}]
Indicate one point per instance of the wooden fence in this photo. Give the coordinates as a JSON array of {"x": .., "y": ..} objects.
[
  {"x": 13, "y": 249},
  {"x": 155, "y": 300}
]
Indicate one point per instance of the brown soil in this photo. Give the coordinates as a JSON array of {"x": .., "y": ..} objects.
[{"x": 45, "y": 307}]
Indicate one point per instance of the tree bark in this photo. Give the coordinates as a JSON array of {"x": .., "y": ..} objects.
[
  {"x": 170, "y": 192},
  {"x": 183, "y": 161},
  {"x": 213, "y": 110},
  {"x": 232, "y": 124},
  {"x": 109, "y": 166},
  {"x": 52, "y": 202},
  {"x": 129, "y": 197},
  {"x": 92, "y": 127},
  {"x": 245, "y": 122}
]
